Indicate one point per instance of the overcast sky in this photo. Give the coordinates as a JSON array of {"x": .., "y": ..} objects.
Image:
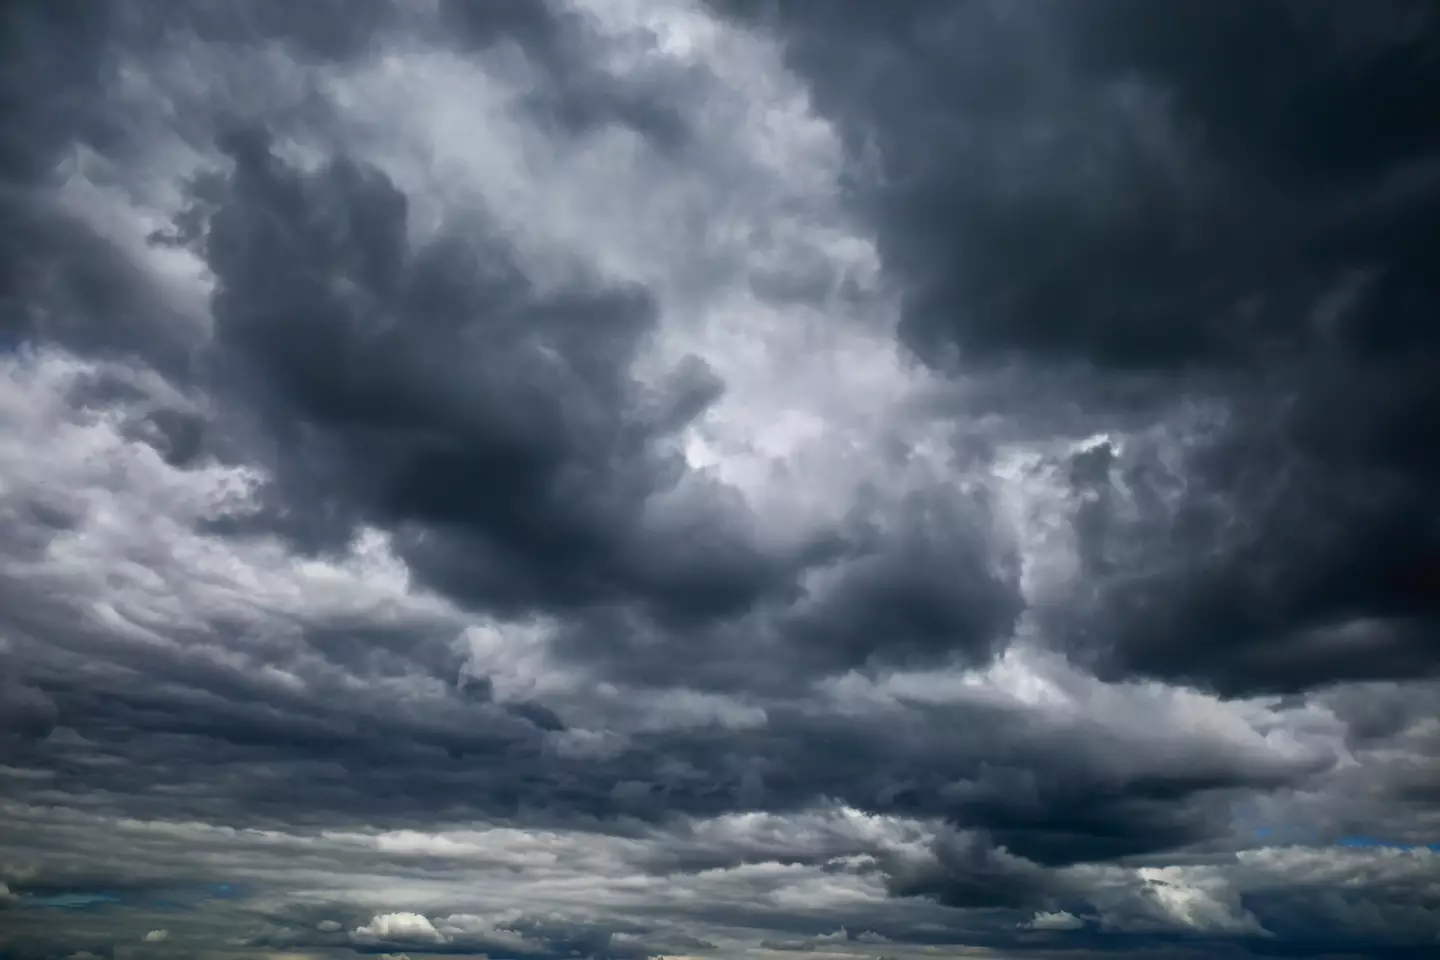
[{"x": 549, "y": 479}]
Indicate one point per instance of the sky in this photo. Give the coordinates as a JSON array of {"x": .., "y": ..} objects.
[{"x": 540, "y": 479}]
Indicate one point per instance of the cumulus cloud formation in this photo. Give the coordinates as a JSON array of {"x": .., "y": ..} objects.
[
  {"x": 399, "y": 927},
  {"x": 638, "y": 478}
]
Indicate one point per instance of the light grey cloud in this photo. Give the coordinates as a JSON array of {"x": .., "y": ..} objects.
[{"x": 1058, "y": 920}]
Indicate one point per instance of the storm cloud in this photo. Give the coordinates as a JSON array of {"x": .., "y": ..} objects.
[{"x": 594, "y": 478}]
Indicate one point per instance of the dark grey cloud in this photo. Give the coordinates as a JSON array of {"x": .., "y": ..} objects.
[
  {"x": 437, "y": 388},
  {"x": 63, "y": 44},
  {"x": 517, "y": 487},
  {"x": 966, "y": 870},
  {"x": 1242, "y": 194},
  {"x": 677, "y": 479},
  {"x": 499, "y": 430}
]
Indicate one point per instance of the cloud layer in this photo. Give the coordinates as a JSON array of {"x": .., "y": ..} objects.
[{"x": 600, "y": 478}]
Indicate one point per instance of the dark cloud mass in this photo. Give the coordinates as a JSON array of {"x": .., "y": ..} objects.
[
  {"x": 583, "y": 478},
  {"x": 1242, "y": 192}
]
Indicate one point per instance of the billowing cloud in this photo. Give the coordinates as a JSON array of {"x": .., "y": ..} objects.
[
  {"x": 1087, "y": 194},
  {"x": 602, "y": 478},
  {"x": 399, "y": 927}
]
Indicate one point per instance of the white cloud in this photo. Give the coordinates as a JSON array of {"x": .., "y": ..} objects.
[{"x": 398, "y": 927}]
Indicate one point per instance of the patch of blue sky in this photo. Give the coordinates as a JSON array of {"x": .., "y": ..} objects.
[
  {"x": 69, "y": 901},
  {"x": 82, "y": 899},
  {"x": 1362, "y": 841},
  {"x": 1293, "y": 834}
]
